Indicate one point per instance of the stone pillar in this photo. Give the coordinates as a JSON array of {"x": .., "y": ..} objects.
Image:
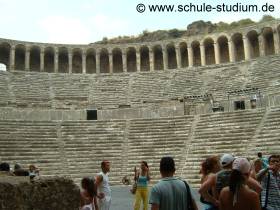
[
  {"x": 217, "y": 53},
  {"x": 84, "y": 63},
  {"x": 247, "y": 50},
  {"x": 276, "y": 41},
  {"x": 56, "y": 57},
  {"x": 262, "y": 45},
  {"x": 124, "y": 60},
  {"x": 190, "y": 56},
  {"x": 152, "y": 60},
  {"x": 138, "y": 59},
  {"x": 12, "y": 58},
  {"x": 165, "y": 58},
  {"x": 97, "y": 62},
  {"x": 178, "y": 57},
  {"x": 42, "y": 61},
  {"x": 202, "y": 55},
  {"x": 110, "y": 62},
  {"x": 70, "y": 56},
  {"x": 231, "y": 49},
  {"x": 27, "y": 59}
]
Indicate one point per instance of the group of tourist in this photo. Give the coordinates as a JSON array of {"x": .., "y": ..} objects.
[
  {"x": 227, "y": 183},
  {"x": 32, "y": 172}
]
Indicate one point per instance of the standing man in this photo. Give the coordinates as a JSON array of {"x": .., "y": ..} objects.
[
  {"x": 103, "y": 187},
  {"x": 270, "y": 180},
  {"x": 170, "y": 193}
]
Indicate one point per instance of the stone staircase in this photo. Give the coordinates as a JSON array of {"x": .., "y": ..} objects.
[
  {"x": 150, "y": 140},
  {"x": 87, "y": 143}
]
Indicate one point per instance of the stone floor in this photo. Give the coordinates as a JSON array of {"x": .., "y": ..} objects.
[{"x": 122, "y": 199}]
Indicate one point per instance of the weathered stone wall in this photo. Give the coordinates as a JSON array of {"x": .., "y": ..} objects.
[{"x": 46, "y": 194}]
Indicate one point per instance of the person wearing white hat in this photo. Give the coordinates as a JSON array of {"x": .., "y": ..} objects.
[{"x": 238, "y": 196}]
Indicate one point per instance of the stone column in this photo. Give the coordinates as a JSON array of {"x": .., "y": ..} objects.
[
  {"x": 261, "y": 45},
  {"x": 84, "y": 63},
  {"x": 178, "y": 57},
  {"x": 152, "y": 60},
  {"x": 42, "y": 61},
  {"x": 97, "y": 62},
  {"x": 217, "y": 53},
  {"x": 247, "y": 50},
  {"x": 202, "y": 55},
  {"x": 12, "y": 58},
  {"x": 70, "y": 56},
  {"x": 231, "y": 49},
  {"x": 56, "y": 57},
  {"x": 110, "y": 62},
  {"x": 276, "y": 41},
  {"x": 124, "y": 60},
  {"x": 165, "y": 58},
  {"x": 27, "y": 59},
  {"x": 190, "y": 56},
  {"x": 138, "y": 61}
]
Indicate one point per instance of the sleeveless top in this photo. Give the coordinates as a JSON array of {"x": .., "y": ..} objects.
[
  {"x": 222, "y": 180},
  {"x": 142, "y": 181},
  {"x": 104, "y": 186}
]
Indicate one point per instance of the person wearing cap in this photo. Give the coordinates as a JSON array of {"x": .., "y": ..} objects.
[
  {"x": 270, "y": 180},
  {"x": 221, "y": 179},
  {"x": 238, "y": 196}
]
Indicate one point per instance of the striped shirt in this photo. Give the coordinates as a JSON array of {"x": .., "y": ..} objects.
[{"x": 273, "y": 202}]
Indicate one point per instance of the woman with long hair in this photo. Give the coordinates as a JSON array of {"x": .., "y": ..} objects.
[
  {"x": 88, "y": 194},
  {"x": 238, "y": 196},
  {"x": 210, "y": 166},
  {"x": 142, "y": 177}
]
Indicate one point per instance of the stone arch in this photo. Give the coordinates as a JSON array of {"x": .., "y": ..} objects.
[
  {"x": 49, "y": 59},
  {"x": 20, "y": 57},
  {"x": 171, "y": 56},
  {"x": 5, "y": 54},
  {"x": 131, "y": 59},
  {"x": 222, "y": 41},
  {"x": 3, "y": 67},
  {"x": 269, "y": 48},
  {"x": 184, "y": 54},
  {"x": 158, "y": 57},
  {"x": 35, "y": 58},
  {"x": 77, "y": 61},
  {"x": 144, "y": 59},
  {"x": 117, "y": 60},
  {"x": 238, "y": 44},
  {"x": 209, "y": 51},
  {"x": 91, "y": 61},
  {"x": 196, "y": 53},
  {"x": 63, "y": 60},
  {"x": 104, "y": 61},
  {"x": 253, "y": 44}
]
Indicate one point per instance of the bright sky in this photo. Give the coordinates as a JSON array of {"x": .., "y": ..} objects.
[{"x": 86, "y": 21}]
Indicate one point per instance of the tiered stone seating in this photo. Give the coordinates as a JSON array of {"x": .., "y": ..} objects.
[
  {"x": 5, "y": 98},
  {"x": 27, "y": 142},
  {"x": 219, "y": 133},
  {"x": 86, "y": 144},
  {"x": 267, "y": 140},
  {"x": 151, "y": 139},
  {"x": 70, "y": 90},
  {"x": 31, "y": 90}
]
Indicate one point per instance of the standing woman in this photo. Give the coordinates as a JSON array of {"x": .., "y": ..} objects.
[
  {"x": 142, "y": 177},
  {"x": 209, "y": 167}
]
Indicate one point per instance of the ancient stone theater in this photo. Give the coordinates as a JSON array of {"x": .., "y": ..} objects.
[{"x": 65, "y": 108}]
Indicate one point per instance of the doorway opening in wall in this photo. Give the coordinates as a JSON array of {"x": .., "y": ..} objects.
[
  {"x": 253, "y": 103},
  {"x": 3, "y": 67},
  {"x": 92, "y": 114},
  {"x": 239, "y": 105}
]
